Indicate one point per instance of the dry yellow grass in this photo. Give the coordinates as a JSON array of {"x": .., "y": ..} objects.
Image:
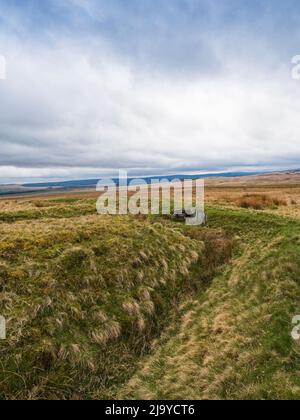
[
  {"x": 82, "y": 295},
  {"x": 281, "y": 200},
  {"x": 108, "y": 307},
  {"x": 234, "y": 341}
]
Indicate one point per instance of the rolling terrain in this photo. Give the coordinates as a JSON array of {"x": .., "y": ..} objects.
[
  {"x": 145, "y": 307},
  {"x": 227, "y": 178}
]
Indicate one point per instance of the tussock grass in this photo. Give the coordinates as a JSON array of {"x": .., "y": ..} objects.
[
  {"x": 13, "y": 211},
  {"x": 260, "y": 202},
  {"x": 233, "y": 341},
  {"x": 82, "y": 298},
  {"x": 121, "y": 307}
]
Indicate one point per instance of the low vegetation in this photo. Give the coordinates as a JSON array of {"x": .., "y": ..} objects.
[
  {"x": 260, "y": 202},
  {"x": 137, "y": 307},
  {"x": 233, "y": 341},
  {"x": 84, "y": 297}
]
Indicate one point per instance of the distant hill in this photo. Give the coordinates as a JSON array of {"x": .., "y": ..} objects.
[
  {"x": 228, "y": 178},
  {"x": 91, "y": 183},
  {"x": 13, "y": 189},
  {"x": 6, "y": 190}
]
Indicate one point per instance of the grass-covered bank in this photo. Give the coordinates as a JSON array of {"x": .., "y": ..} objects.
[
  {"x": 85, "y": 297},
  {"x": 233, "y": 341},
  {"x": 110, "y": 307}
]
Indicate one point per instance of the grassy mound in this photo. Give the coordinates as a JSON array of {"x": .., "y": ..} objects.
[
  {"x": 110, "y": 307},
  {"x": 234, "y": 341},
  {"x": 83, "y": 298},
  {"x": 14, "y": 211}
]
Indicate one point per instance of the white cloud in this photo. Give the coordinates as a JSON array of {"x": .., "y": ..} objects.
[{"x": 75, "y": 108}]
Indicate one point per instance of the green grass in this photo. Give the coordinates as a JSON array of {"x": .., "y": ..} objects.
[
  {"x": 124, "y": 307},
  {"x": 83, "y": 298},
  {"x": 60, "y": 208},
  {"x": 233, "y": 341}
]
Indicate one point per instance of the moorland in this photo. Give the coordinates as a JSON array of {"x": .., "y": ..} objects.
[{"x": 144, "y": 307}]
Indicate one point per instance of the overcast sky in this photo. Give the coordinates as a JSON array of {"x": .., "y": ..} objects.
[{"x": 154, "y": 86}]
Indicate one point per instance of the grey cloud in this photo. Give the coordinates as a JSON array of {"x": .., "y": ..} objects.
[{"x": 75, "y": 108}]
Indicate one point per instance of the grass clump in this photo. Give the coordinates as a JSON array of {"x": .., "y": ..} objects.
[
  {"x": 79, "y": 310},
  {"x": 260, "y": 202},
  {"x": 73, "y": 259},
  {"x": 234, "y": 340},
  {"x": 123, "y": 307}
]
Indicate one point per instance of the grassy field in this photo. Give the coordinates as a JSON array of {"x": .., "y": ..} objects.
[
  {"x": 233, "y": 341},
  {"x": 138, "y": 307}
]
